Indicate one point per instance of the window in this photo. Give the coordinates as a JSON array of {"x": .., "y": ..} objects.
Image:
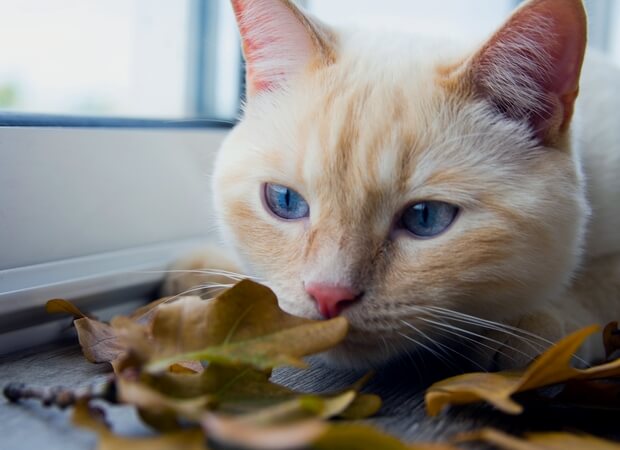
[
  {"x": 127, "y": 58},
  {"x": 181, "y": 59},
  {"x": 444, "y": 18}
]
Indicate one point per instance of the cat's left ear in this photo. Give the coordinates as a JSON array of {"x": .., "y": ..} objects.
[
  {"x": 279, "y": 42},
  {"x": 530, "y": 67}
]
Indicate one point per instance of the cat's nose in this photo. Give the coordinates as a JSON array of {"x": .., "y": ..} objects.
[{"x": 330, "y": 299}]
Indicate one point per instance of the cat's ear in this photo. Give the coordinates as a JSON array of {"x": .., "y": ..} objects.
[
  {"x": 279, "y": 42},
  {"x": 530, "y": 67}
]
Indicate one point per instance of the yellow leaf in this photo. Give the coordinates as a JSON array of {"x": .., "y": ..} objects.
[
  {"x": 364, "y": 405},
  {"x": 539, "y": 441},
  {"x": 364, "y": 437},
  {"x": 60, "y": 306},
  {"x": 550, "y": 368}
]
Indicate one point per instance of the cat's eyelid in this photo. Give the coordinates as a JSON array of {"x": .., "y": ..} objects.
[
  {"x": 464, "y": 199},
  {"x": 287, "y": 184}
]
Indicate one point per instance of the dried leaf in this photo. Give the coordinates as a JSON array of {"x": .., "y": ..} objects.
[
  {"x": 290, "y": 424},
  {"x": 363, "y": 406},
  {"x": 242, "y": 326},
  {"x": 242, "y": 334},
  {"x": 591, "y": 393},
  {"x": 550, "y": 368},
  {"x": 364, "y": 437},
  {"x": 266, "y": 352},
  {"x": 60, "y": 306},
  {"x": 187, "y": 367},
  {"x": 539, "y": 441},
  {"x": 192, "y": 439},
  {"x": 236, "y": 433},
  {"x": 98, "y": 340},
  {"x": 611, "y": 339},
  {"x": 148, "y": 399}
]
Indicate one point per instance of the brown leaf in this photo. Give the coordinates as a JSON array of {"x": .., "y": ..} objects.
[
  {"x": 591, "y": 393},
  {"x": 98, "y": 340},
  {"x": 363, "y": 406},
  {"x": 191, "y": 439},
  {"x": 539, "y": 441},
  {"x": 242, "y": 326},
  {"x": 277, "y": 349},
  {"x": 364, "y": 437},
  {"x": 242, "y": 334},
  {"x": 146, "y": 398},
  {"x": 60, "y": 306},
  {"x": 187, "y": 367},
  {"x": 273, "y": 427},
  {"x": 237, "y": 433},
  {"x": 550, "y": 368},
  {"x": 246, "y": 311},
  {"x": 611, "y": 339}
]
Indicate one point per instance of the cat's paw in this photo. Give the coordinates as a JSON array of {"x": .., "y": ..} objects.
[{"x": 194, "y": 273}]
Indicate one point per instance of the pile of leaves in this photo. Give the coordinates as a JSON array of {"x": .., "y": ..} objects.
[{"x": 199, "y": 372}]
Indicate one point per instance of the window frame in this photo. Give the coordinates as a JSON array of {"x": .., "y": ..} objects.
[{"x": 10, "y": 119}]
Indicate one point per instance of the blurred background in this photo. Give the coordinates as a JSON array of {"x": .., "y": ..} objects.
[{"x": 180, "y": 59}]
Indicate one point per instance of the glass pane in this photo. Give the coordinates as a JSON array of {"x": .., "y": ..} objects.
[
  {"x": 451, "y": 18},
  {"x": 614, "y": 46},
  {"x": 95, "y": 57}
]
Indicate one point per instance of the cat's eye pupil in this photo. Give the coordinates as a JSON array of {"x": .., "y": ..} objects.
[
  {"x": 428, "y": 219},
  {"x": 285, "y": 202}
]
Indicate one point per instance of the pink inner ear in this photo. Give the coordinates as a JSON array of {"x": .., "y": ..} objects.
[
  {"x": 531, "y": 66},
  {"x": 276, "y": 43}
]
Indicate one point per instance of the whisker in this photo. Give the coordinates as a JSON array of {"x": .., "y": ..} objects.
[
  {"x": 472, "y": 341},
  {"x": 537, "y": 347},
  {"x": 436, "y": 342},
  {"x": 200, "y": 287},
  {"x": 219, "y": 272},
  {"x": 430, "y": 350},
  {"x": 462, "y": 330},
  {"x": 492, "y": 323},
  {"x": 528, "y": 338}
]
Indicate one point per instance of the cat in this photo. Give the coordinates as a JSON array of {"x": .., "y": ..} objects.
[{"x": 436, "y": 194}]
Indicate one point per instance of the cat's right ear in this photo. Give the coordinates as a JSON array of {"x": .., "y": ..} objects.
[{"x": 279, "y": 42}]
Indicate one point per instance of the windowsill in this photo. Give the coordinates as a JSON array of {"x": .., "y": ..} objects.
[{"x": 16, "y": 119}]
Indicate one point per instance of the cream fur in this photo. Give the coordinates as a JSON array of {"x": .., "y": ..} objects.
[{"x": 364, "y": 136}]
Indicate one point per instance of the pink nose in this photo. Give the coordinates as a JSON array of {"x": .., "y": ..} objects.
[{"x": 330, "y": 299}]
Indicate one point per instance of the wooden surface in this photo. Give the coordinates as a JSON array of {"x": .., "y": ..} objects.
[{"x": 28, "y": 425}]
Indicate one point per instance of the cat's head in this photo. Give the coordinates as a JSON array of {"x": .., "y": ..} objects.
[{"x": 376, "y": 176}]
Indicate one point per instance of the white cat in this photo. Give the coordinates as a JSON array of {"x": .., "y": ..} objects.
[{"x": 436, "y": 195}]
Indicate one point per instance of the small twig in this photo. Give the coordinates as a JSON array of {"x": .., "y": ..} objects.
[{"x": 59, "y": 396}]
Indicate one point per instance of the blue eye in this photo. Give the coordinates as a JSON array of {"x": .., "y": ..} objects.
[
  {"x": 285, "y": 202},
  {"x": 428, "y": 219}
]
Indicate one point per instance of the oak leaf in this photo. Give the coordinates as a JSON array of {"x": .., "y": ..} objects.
[
  {"x": 538, "y": 441},
  {"x": 364, "y": 437},
  {"x": 552, "y": 367}
]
